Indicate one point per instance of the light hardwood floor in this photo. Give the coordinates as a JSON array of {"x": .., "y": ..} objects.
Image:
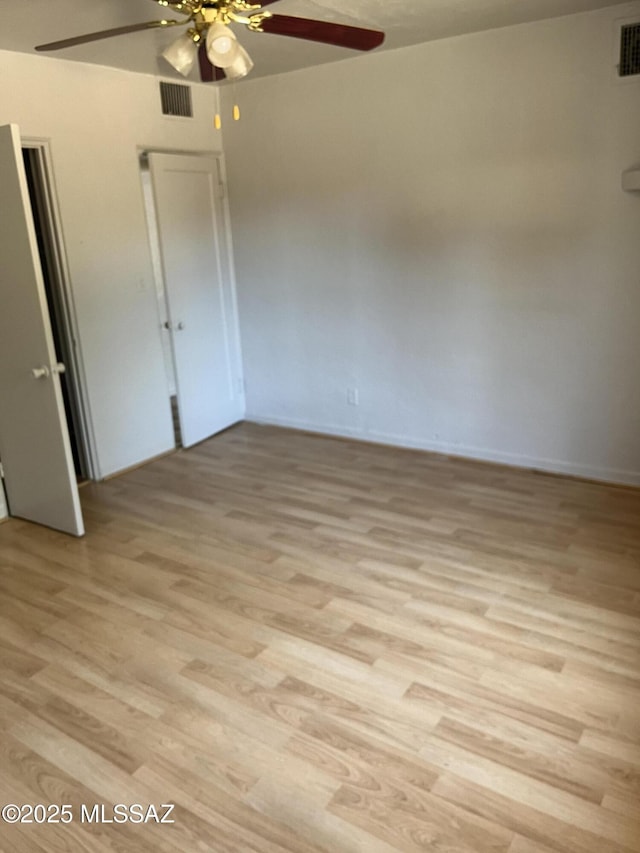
[{"x": 316, "y": 645}]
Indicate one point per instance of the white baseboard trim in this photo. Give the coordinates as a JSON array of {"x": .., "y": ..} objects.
[{"x": 612, "y": 476}]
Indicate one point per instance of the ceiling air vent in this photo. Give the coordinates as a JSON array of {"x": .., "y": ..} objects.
[
  {"x": 629, "y": 50},
  {"x": 176, "y": 100}
]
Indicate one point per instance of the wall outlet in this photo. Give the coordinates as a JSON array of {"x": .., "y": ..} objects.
[{"x": 353, "y": 397}]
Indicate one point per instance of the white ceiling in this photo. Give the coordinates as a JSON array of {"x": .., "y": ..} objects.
[{"x": 26, "y": 23}]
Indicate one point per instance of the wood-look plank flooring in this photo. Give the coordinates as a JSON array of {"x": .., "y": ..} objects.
[{"x": 312, "y": 645}]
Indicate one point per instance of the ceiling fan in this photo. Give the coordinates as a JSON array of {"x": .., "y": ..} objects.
[{"x": 210, "y": 39}]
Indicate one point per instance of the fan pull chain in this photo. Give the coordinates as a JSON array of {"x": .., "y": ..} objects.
[
  {"x": 217, "y": 119},
  {"x": 236, "y": 108}
]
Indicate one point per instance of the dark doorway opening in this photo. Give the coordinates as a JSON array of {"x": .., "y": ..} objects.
[{"x": 62, "y": 337}]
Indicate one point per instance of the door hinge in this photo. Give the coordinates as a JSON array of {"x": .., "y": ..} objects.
[{"x": 220, "y": 185}]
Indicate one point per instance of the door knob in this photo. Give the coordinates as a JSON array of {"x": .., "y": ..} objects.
[
  {"x": 40, "y": 372},
  {"x": 180, "y": 326},
  {"x": 59, "y": 367}
]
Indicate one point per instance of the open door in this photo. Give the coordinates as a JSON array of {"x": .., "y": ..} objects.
[
  {"x": 187, "y": 190},
  {"x": 34, "y": 440}
]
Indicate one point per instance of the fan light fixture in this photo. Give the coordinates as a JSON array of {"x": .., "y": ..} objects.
[
  {"x": 222, "y": 46},
  {"x": 210, "y": 37},
  {"x": 241, "y": 65},
  {"x": 182, "y": 53}
]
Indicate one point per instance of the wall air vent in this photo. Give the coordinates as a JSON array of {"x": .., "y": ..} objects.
[
  {"x": 176, "y": 100},
  {"x": 629, "y": 50}
]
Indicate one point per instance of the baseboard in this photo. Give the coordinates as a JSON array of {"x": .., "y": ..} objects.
[
  {"x": 121, "y": 471},
  {"x": 552, "y": 466}
]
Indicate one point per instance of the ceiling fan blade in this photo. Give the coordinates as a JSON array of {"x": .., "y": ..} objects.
[
  {"x": 266, "y": 2},
  {"x": 209, "y": 73},
  {"x": 105, "y": 34},
  {"x": 341, "y": 35}
]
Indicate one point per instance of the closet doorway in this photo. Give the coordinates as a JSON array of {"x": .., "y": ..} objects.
[
  {"x": 190, "y": 247},
  {"x": 58, "y": 302}
]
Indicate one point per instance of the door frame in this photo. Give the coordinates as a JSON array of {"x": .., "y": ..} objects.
[
  {"x": 68, "y": 316},
  {"x": 227, "y": 255},
  {"x": 224, "y": 242}
]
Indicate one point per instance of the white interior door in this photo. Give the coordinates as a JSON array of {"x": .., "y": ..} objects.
[
  {"x": 34, "y": 441},
  {"x": 199, "y": 295}
]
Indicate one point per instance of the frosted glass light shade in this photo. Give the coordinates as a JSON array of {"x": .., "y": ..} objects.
[
  {"x": 182, "y": 54},
  {"x": 241, "y": 66},
  {"x": 222, "y": 46}
]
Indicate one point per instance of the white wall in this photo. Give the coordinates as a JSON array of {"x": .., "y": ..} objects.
[
  {"x": 95, "y": 120},
  {"x": 442, "y": 227}
]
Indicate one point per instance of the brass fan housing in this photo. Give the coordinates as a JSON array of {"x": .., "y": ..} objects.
[{"x": 203, "y": 13}]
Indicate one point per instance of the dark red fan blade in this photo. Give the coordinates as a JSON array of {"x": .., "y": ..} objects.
[
  {"x": 105, "y": 34},
  {"x": 266, "y": 2},
  {"x": 323, "y": 31},
  {"x": 208, "y": 73}
]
